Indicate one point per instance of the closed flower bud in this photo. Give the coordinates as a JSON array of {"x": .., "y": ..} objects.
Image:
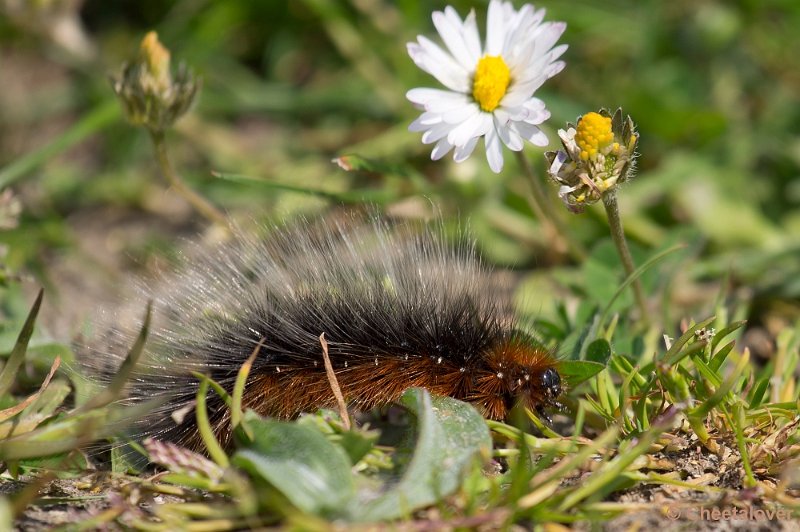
[{"x": 150, "y": 94}]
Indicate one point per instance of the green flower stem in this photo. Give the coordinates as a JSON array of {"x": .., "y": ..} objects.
[
  {"x": 202, "y": 205},
  {"x": 618, "y": 234},
  {"x": 550, "y": 218}
]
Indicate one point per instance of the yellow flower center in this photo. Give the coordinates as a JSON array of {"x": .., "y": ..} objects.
[
  {"x": 593, "y": 134},
  {"x": 492, "y": 77}
]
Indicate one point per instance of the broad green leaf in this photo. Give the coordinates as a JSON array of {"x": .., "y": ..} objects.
[
  {"x": 300, "y": 462},
  {"x": 450, "y": 435},
  {"x": 356, "y": 442},
  {"x": 65, "y": 465},
  {"x": 574, "y": 372},
  {"x": 599, "y": 351}
]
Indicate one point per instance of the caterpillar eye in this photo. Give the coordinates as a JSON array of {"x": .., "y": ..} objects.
[{"x": 551, "y": 381}]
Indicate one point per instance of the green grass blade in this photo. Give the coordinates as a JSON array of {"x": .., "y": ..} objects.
[
  {"x": 376, "y": 196},
  {"x": 722, "y": 333},
  {"x": 701, "y": 410},
  {"x": 675, "y": 352},
  {"x": 20, "y": 347},
  {"x": 215, "y": 450},
  {"x": 101, "y": 116},
  {"x": 117, "y": 384}
]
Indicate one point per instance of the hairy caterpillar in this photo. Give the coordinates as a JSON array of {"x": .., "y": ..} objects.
[{"x": 399, "y": 308}]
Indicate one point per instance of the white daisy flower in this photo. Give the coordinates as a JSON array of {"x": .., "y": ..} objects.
[{"x": 489, "y": 89}]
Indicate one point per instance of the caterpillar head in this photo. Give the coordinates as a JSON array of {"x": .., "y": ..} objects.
[{"x": 518, "y": 373}]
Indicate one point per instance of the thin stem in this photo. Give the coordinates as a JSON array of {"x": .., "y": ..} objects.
[
  {"x": 202, "y": 205},
  {"x": 618, "y": 235},
  {"x": 550, "y": 218}
]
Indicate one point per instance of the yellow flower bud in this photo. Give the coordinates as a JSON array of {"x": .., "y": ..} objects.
[{"x": 598, "y": 154}]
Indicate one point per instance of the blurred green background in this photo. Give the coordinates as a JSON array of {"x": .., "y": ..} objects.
[{"x": 714, "y": 88}]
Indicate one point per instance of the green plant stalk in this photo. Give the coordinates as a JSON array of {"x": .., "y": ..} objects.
[
  {"x": 201, "y": 205},
  {"x": 738, "y": 422},
  {"x": 630, "y": 279},
  {"x": 699, "y": 428},
  {"x": 533, "y": 443},
  {"x": 549, "y": 217},
  {"x": 544, "y": 429},
  {"x": 605, "y": 390},
  {"x": 618, "y": 235},
  {"x": 624, "y": 398}
]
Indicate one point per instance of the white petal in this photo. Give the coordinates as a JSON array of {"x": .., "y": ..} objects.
[
  {"x": 537, "y": 113},
  {"x": 472, "y": 39},
  {"x": 538, "y": 17},
  {"x": 422, "y": 96},
  {"x": 425, "y": 121},
  {"x": 437, "y": 101},
  {"x": 501, "y": 115},
  {"x": 563, "y": 192},
  {"x": 544, "y": 66},
  {"x": 514, "y": 114},
  {"x": 528, "y": 22},
  {"x": 550, "y": 33},
  {"x": 521, "y": 91},
  {"x": 517, "y": 29},
  {"x": 438, "y": 63},
  {"x": 535, "y": 105},
  {"x": 519, "y": 57},
  {"x": 461, "y": 113},
  {"x": 435, "y": 133},
  {"x": 558, "y": 51},
  {"x": 494, "y": 151},
  {"x": 518, "y": 94},
  {"x": 450, "y": 28},
  {"x": 567, "y": 136},
  {"x": 554, "y": 69},
  {"x": 441, "y": 149},
  {"x": 531, "y": 133},
  {"x": 495, "y": 28},
  {"x": 509, "y": 137},
  {"x": 558, "y": 162},
  {"x": 463, "y": 152},
  {"x": 475, "y": 126}
]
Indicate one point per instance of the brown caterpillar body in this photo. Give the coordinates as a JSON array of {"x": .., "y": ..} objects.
[{"x": 399, "y": 308}]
